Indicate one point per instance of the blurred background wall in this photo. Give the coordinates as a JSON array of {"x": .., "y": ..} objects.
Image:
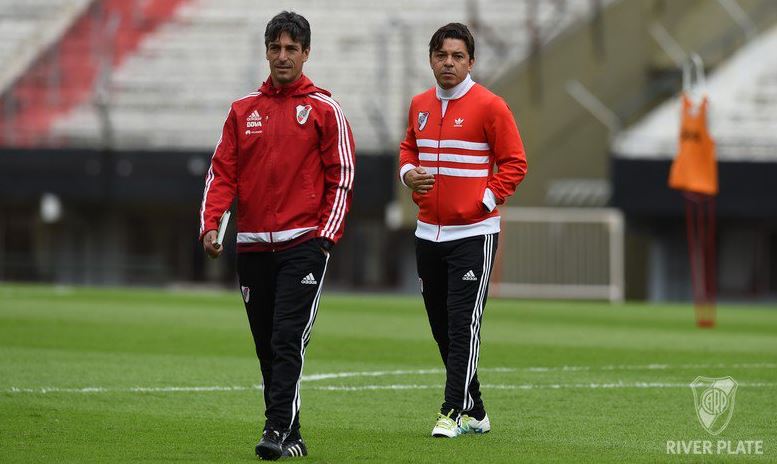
[{"x": 109, "y": 111}]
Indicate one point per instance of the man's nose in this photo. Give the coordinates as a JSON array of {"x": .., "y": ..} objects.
[{"x": 283, "y": 55}]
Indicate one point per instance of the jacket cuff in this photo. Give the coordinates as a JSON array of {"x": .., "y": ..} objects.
[
  {"x": 402, "y": 171},
  {"x": 205, "y": 232},
  {"x": 489, "y": 200}
]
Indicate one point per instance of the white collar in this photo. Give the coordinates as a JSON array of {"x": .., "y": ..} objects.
[{"x": 455, "y": 92}]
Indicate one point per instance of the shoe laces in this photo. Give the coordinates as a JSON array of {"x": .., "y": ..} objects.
[{"x": 445, "y": 420}]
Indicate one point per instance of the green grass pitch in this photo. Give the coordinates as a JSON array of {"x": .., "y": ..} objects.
[{"x": 152, "y": 376}]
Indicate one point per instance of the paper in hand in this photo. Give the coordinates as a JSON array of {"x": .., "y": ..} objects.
[{"x": 222, "y": 229}]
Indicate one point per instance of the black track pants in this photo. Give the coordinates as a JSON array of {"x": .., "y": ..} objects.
[
  {"x": 281, "y": 291},
  {"x": 454, "y": 283}
]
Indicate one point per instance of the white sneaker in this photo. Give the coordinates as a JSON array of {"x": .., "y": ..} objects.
[
  {"x": 472, "y": 425},
  {"x": 445, "y": 427}
]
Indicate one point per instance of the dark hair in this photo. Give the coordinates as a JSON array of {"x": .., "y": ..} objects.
[
  {"x": 292, "y": 23},
  {"x": 453, "y": 31}
]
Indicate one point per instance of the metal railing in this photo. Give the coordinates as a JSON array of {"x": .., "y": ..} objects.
[{"x": 567, "y": 253}]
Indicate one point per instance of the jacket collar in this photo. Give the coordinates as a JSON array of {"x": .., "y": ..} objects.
[
  {"x": 456, "y": 92},
  {"x": 301, "y": 86}
]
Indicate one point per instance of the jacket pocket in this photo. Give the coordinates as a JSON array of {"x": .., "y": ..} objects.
[
  {"x": 461, "y": 200},
  {"x": 311, "y": 200}
]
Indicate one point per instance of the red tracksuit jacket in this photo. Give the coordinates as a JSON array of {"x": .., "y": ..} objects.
[
  {"x": 288, "y": 156},
  {"x": 461, "y": 146}
]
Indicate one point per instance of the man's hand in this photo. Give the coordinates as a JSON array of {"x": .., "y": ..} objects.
[
  {"x": 418, "y": 180},
  {"x": 213, "y": 250},
  {"x": 325, "y": 245}
]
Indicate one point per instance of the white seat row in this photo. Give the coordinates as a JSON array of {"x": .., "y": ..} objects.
[
  {"x": 373, "y": 55},
  {"x": 29, "y": 26},
  {"x": 742, "y": 115}
]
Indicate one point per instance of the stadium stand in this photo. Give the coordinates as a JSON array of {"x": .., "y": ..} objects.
[
  {"x": 743, "y": 115},
  {"x": 71, "y": 51},
  {"x": 117, "y": 110},
  {"x": 118, "y": 118},
  {"x": 29, "y": 26},
  {"x": 173, "y": 92},
  {"x": 743, "y": 111}
]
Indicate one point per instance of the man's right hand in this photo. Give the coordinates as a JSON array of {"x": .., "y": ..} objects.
[
  {"x": 418, "y": 180},
  {"x": 213, "y": 250}
]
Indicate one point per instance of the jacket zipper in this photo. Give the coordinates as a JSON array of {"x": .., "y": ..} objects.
[
  {"x": 437, "y": 165},
  {"x": 272, "y": 176}
]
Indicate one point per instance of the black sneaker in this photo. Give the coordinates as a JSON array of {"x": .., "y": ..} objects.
[
  {"x": 270, "y": 447},
  {"x": 294, "y": 448}
]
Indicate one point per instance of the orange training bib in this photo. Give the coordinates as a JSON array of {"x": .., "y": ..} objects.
[{"x": 695, "y": 169}]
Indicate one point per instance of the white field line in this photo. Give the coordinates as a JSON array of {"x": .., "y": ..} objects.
[
  {"x": 553, "y": 386},
  {"x": 339, "y": 375},
  {"x": 134, "y": 389},
  {"x": 356, "y": 388},
  {"x": 613, "y": 367},
  {"x": 638, "y": 367}
]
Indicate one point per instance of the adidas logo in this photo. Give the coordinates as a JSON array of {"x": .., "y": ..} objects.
[
  {"x": 309, "y": 280},
  {"x": 458, "y": 122},
  {"x": 469, "y": 276},
  {"x": 254, "y": 120}
]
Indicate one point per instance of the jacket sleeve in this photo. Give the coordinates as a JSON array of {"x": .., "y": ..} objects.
[
  {"x": 221, "y": 179},
  {"x": 510, "y": 158},
  {"x": 408, "y": 150},
  {"x": 338, "y": 158}
]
